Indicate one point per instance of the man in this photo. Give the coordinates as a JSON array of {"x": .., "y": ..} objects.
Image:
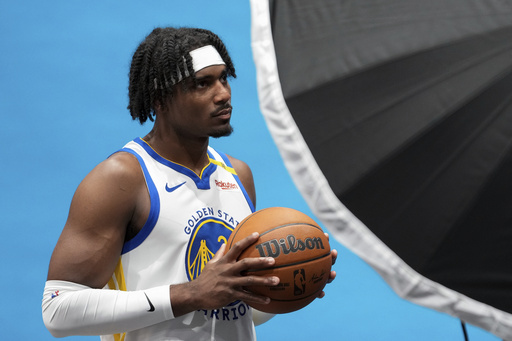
[{"x": 151, "y": 220}]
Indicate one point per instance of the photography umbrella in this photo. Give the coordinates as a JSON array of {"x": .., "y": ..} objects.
[{"x": 394, "y": 118}]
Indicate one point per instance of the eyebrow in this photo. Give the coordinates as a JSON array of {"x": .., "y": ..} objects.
[{"x": 209, "y": 76}]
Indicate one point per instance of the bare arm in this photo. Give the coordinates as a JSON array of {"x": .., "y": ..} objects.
[{"x": 102, "y": 207}]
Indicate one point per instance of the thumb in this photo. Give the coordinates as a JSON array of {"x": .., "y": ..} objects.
[{"x": 218, "y": 255}]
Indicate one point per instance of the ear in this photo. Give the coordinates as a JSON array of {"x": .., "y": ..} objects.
[
  {"x": 158, "y": 106},
  {"x": 162, "y": 104}
]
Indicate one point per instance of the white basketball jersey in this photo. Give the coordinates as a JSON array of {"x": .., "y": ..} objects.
[{"x": 190, "y": 217}]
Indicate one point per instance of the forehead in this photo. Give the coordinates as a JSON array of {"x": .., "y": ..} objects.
[{"x": 211, "y": 71}]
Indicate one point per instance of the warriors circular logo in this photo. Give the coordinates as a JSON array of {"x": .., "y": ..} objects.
[{"x": 206, "y": 239}]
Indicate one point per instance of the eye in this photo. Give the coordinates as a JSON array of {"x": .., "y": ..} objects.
[
  {"x": 201, "y": 84},
  {"x": 224, "y": 78}
]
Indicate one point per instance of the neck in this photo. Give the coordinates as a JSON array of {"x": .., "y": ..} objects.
[{"x": 191, "y": 153}]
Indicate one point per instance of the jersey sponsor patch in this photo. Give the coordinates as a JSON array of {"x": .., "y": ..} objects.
[{"x": 226, "y": 185}]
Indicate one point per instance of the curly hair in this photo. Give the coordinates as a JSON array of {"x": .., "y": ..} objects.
[{"x": 160, "y": 60}]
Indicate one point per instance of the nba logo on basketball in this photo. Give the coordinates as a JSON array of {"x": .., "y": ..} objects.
[{"x": 299, "y": 277}]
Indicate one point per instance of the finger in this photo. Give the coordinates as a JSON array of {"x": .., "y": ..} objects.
[
  {"x": 332, "y": 277},
  {"x": 241, "y": 245},
  {"x": 218, "y": 255},
  {"x": 248, "y": 281},
  {"x": 253, "y": 263},
  {"x": 220, "y": 252},
  {"x": 253, "y": 280},
  {"x": 250, "y": 297},
  {"x": 334, "y": 255}
]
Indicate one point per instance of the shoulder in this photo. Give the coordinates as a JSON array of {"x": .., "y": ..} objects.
[
  {"x": 120, "y": 165},
  {"x": 120, "y": 173},
  {"x": 240, "y": 166}
]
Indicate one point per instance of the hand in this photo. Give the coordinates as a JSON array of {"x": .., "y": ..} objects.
[
  {"x": 334, "y": 255},
  {"x": 221, "y": 281}
]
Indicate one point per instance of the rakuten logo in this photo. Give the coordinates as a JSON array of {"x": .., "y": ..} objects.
[{"x": 225, "y": 185}]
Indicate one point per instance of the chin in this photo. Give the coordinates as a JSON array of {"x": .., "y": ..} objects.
[{"x": 222, "y": 132}]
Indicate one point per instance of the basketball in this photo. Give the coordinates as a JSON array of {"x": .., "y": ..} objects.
[{"x": 301, "y": 251}]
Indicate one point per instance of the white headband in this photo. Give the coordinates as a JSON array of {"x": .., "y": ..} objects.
[
  {"x": 201, "y": 58},
  {"x": 205, "y": 56}
]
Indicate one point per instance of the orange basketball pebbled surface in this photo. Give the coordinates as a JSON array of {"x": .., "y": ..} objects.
[{"x": 302, "y": 256}]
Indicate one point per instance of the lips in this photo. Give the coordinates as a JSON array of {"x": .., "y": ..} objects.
[{"x": 223, "y": 112}]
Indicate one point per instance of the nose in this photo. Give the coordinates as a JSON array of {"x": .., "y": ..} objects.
[{"x": 222, "y": 92}]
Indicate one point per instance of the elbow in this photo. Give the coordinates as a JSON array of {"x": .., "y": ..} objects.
[
  {"x": 64, "y": 308},
  {"x": 56, "y": 329},
  {"x": 54, "y": 322}
]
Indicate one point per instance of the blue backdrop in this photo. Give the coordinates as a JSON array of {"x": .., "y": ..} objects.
[{"x": 63, "y": 98}]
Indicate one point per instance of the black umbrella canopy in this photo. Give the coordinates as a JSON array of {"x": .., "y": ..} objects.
[{"x": 395, "y": 120}]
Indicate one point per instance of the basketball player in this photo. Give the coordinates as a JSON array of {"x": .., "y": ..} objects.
[{"x": 142, "y": 254}]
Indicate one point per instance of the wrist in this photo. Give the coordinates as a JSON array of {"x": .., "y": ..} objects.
[{"x": 183, "y": 299}]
